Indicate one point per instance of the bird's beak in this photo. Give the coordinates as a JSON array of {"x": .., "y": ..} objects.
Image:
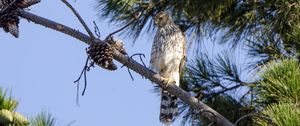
[{"x": 155, "y": 21}]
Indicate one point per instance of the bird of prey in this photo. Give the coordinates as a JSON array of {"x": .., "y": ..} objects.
[{"x": 168, "y": 57}]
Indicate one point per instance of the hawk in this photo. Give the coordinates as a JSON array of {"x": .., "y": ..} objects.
[{"x": 168, "y": 57}]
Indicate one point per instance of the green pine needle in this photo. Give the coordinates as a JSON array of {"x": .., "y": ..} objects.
[
  {"x": 283, "y": 114},
  {"x": 281, "y": 82}
]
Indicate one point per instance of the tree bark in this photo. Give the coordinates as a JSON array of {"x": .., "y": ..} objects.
[{"x": 202, "y": 108}]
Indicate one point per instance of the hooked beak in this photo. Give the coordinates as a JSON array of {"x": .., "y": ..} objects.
[{"x": 155, "y": 21}]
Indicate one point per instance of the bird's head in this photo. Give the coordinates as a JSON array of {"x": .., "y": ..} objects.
[{"x": 162, "y": 19}]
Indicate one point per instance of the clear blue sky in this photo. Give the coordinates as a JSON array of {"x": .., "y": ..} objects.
[{"x": 41, "y": 65}]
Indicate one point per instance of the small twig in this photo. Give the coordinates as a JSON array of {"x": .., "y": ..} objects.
[
  {"x": 83, "y": 72},
  {"x": 79, "y": 18},
  {"x": 78, "y": 80},
  {"x": 87, "y": 68},
  {"x": 91, "y": 65},
  {"x": 244, "y": 96},
  {"x": 245, "y": 116},
  {"x": 140, "y": 55},
  {"x": 130, "y": 74},
  {"x": 97, "y": 31},
  {"x": 199, "y": 95},
  {"x": 211, "y": 124},
  {"x": 225, "y": 90},
  {"x": 141, "y": 58},
  {"x": 85, "y": 82},
  {"x": 77, "y": 93},
  {"x": 131, "y": 57},
  {"x": 136, "y": 16},
  {"x": 8, "y": 6},
  {"x": 266, "y": 118},
  {"x": 131, "y": 21}
]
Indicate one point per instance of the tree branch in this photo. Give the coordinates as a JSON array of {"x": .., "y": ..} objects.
[
  {"x": 202, "y": 108},
  {"x": 79, "y": 18}
]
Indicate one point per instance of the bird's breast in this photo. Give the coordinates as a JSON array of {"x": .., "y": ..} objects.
[{"x": 166, "y": 49}]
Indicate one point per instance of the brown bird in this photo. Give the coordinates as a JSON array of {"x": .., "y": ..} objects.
[{"x": 168, "y": 57}]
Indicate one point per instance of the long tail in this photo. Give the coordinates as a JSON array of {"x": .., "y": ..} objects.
[{"x": 168, "y": 108}]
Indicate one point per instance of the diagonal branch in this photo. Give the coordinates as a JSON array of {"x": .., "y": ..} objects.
[
  {"x": 79, "y": 18},
  {"x": 199, "y": 106}
]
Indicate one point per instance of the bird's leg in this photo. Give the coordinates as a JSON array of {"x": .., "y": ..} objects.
[
  {"x": 168, "y": 80},
  {"x": 166, "y": 77}
]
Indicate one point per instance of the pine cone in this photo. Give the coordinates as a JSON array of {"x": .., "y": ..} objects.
[
  {"x": 117, "y": 44},
  {"x": 9, "y": 19},
  {"x": 102, "y": 55},
  {"x": 27, "y": 3},
  {"x": 9, "y": 22},
  {"x": 18, "y": 3},
  {"x": 4, "y": 3},
  {"x": 13, "y": 29}
]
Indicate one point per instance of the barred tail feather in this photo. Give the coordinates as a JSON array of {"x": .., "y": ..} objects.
[{"x": 168, "y": 108}]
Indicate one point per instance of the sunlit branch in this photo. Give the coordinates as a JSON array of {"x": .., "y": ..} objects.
[{"x": 197, "y": 105}]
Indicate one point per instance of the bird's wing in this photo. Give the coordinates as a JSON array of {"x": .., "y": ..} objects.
[{"x": 183, "y": 60}]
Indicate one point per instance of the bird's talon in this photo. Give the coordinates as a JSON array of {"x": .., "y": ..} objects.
[{"x": 168, "y": 81}]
